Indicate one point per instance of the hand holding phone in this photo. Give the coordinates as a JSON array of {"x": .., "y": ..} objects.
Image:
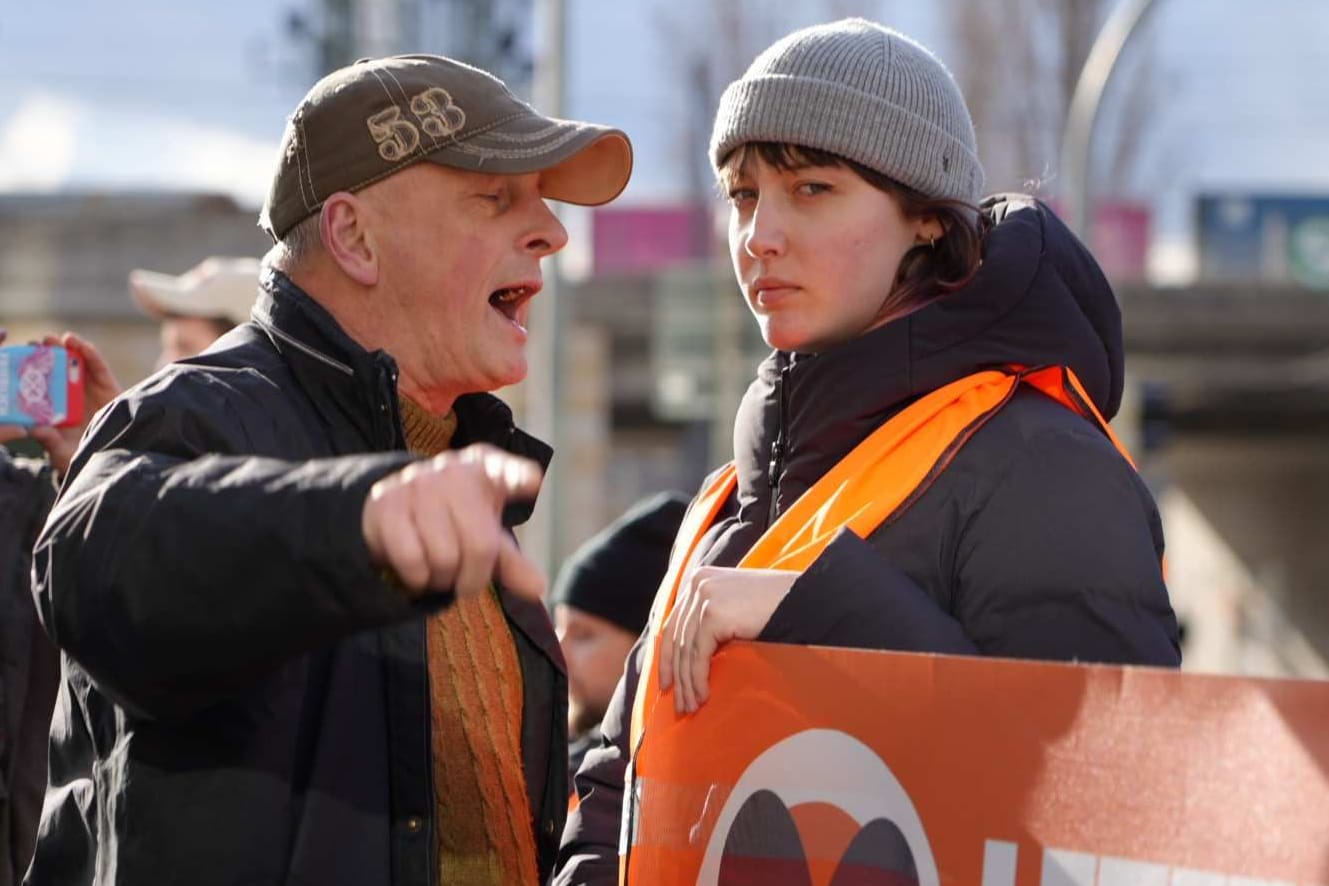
[
  {"x": 40, "y": 385},
  {"x": 96, "y": 385}
]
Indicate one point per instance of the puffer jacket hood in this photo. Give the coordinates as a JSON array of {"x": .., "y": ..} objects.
[{"x": 1038, "y": 298}]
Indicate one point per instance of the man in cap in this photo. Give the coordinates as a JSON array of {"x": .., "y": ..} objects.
[
  {"x": 602, "y": 599},
  {"x": 198, "y": 306},
  {"x": 300, "y": 643}
]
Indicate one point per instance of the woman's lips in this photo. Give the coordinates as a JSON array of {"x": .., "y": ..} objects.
[{"x": 773, "y": 296}]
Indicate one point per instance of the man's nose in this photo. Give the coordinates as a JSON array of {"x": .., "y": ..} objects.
[{"x": 547, "y": 234}]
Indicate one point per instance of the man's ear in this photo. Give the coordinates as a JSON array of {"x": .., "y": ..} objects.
[{"x": 343, "y": 226}]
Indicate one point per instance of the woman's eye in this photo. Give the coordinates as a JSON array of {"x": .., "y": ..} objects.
[
  {"x": 742, "y": 195},
  {"x": 811, "y": 189}
]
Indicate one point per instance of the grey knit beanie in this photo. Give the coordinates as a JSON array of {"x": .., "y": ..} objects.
[{"x": 861, "y": 91}]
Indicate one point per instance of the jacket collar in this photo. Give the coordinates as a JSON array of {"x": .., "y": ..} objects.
[
  {"x": 288, "y": 313},
  {"x": 819, "y": 407},
  {"x": 346, "y": 382}
]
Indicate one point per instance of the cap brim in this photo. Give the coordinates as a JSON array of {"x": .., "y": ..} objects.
[
  {"x": 160, "y": 295},
  {"x": 584, "y": 163},
  {"x": 218, "y": 287}
]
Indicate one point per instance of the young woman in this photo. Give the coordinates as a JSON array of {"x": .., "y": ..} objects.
[{"x": 922, "y": 463}]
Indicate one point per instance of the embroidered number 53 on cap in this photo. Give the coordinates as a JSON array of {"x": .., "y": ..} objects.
[{"x": 398, "y": 137}]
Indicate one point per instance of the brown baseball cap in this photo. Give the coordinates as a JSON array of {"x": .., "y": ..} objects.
[{"x": 363, "y": 122}]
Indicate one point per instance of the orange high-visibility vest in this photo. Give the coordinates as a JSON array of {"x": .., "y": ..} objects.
[{"x": 875, "y": 482}]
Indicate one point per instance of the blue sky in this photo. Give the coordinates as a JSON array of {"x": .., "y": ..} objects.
[
  {"x": 143, "y": 94},
  {"x": 172, "y": 94}
]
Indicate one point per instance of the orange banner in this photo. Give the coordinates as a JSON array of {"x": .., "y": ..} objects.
[{"x": 835, "y": 767}]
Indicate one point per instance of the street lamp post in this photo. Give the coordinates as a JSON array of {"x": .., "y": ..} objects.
[
  {"x": 1083, "y": 113},
  {"x": 544, "y": 378},
  {"x": 1098, "y": 68}
]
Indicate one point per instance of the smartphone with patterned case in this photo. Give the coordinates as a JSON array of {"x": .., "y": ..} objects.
[{"x": 40, "y": 385}]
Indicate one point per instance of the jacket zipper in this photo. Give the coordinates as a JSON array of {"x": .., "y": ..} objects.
[
  {"x": 389, "y": 412},
  {"x": 267, "y": 324},
  {"x": 776, "y": 466}
]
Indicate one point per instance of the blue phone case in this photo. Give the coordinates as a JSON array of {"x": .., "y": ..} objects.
[{"x": 33, "y": 385}]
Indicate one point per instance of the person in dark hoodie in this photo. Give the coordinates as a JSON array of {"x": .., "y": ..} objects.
[
  {"x": 601, "y": 601},
  {"x": 972, "y": 348}
]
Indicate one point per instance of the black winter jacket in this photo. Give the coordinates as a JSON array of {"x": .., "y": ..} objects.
[
  {"x": 1037, "y": 541},
  {"x": 245, "y": 698},
  {"x": 29, "y": 664}
]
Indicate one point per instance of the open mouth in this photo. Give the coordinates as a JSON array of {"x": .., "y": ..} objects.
[{"x": 509, "y": 300}]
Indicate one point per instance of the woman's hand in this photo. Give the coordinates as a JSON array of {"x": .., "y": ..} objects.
[
  {"x": 714, "y": 605},
  {"x": 99, "y": 388}
]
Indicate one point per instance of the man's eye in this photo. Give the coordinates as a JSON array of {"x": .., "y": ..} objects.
[{"x": 741, "y": 195}]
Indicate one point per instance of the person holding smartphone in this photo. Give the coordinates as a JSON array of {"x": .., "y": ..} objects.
[
  {"x": 30, "y": 663},
  {"x": 199, "y": 306},
  {"x": 99, "y": 388}
]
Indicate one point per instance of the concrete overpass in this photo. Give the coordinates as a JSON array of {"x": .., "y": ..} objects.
[
  {"x": 1231, "y": 357},
  {"x": 1234, "y": 422}
]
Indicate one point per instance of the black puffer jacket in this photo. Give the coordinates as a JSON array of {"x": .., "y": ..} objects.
[
  {"x": 29, "y": 664},
  {"x": 245, "y": 699},
  {"x": 1038, "y": 541}
]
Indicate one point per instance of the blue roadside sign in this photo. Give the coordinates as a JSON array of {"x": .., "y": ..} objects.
[{"x": 1266, "y": 238}]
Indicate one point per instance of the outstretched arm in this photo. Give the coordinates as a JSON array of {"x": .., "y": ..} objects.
[{"x": 175, "y": 577}]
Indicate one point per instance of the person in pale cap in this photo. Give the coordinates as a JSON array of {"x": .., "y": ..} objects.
[
  {"x": 283, "y": 574},
  {"x": 601, "y": 599},
  {"x": 900, "y": 307},
  {"x": 196, "y": 307}
]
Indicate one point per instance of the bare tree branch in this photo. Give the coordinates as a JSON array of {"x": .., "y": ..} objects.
[{"x": 1018, "y": 62}]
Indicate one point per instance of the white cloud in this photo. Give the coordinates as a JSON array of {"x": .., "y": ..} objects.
[
  {"x": 37, "y": 144},
  {"x": 206, "y": 159},
  {"x": 56, "y": 142}
]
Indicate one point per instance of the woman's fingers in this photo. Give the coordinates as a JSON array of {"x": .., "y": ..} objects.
[
  {"x": 665, "y": 651},
  {"x": 678, "y": 639},
  {"x": 674, "y": 640},
  {"x": 667, "y": 648},
  {"x": 715, "y": 605},
  {"x": 689, "y": 629},
  {"x": 681, "y": 659},
  {"x": 710, "y": 634}
]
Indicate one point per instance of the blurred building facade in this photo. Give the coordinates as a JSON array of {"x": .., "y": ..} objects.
[{"x": 65, "y": 261}]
